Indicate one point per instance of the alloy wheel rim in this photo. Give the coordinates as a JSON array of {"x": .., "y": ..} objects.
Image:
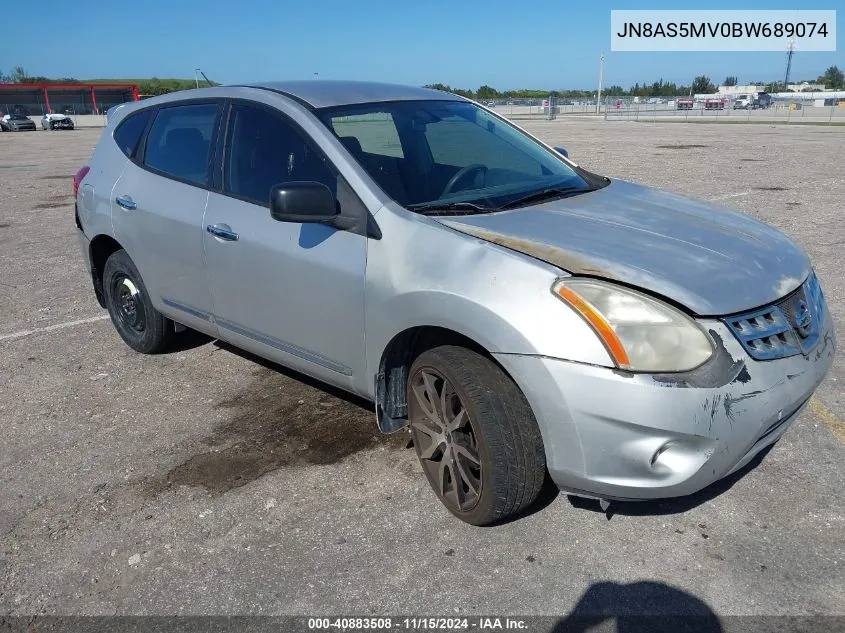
[
  {"x": 445, "y": 440},
  {"x": 130, "y": 309}
]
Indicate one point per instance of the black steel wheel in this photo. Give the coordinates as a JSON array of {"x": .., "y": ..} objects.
[
  {"x": 139, "y": 324},
  {"x": 474, "y": 434}
]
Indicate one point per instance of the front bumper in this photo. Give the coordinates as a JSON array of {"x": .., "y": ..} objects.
[{"x": 617, "y": 435}]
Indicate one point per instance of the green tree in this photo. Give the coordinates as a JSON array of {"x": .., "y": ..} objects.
[
  {"x": 730, "y": 80},
  {"x": 4, "y": 78},
  {"x": 446, "y": 88},
  {"x": 19, "y": 75},
  {"x": 486, "y": 92},
  {"x": 702, "y": 85},
  {"x": 833, "y": 78}
]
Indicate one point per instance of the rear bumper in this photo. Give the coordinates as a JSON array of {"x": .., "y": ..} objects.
[
  {"x": 84, "y": 245},
  {"x": 617, "y": 435}
]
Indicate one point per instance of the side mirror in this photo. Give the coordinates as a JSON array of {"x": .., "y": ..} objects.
[
  {"x": 562, "y": 151},
  {"x": 302, "y": 202}
]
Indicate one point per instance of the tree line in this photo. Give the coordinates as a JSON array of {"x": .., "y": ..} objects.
[{"x": 832, "y": 78}]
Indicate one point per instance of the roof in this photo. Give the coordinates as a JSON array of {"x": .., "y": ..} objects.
[
  {"x": 63, "y": 86},
  {"x": 321, "y": 93}
]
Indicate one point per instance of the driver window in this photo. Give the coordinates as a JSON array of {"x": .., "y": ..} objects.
[{"x": 266, "y": 150}]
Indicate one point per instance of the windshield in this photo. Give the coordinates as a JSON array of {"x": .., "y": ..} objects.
[
  {"x": 17, "y": 117},
  {"x": 449, "y": 154}
]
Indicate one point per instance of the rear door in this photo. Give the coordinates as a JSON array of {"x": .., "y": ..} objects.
[
  {"x": 158, "y": 208},
  {"x": 287, "y": 291}
]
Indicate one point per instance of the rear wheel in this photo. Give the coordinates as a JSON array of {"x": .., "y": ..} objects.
[
  {"x": 474, "y": 434},
  {"x": 139, "y": 324}
]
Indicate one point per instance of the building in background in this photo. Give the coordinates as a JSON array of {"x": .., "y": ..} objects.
[{"x": 64, "y": 98}]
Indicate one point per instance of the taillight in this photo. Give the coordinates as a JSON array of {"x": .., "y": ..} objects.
[{"x": 78, "y": 179}]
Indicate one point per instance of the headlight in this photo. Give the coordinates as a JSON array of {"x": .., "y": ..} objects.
[{"x": 639, "y": 332}]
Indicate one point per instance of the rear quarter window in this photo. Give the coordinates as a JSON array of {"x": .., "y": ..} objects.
[{"x": 129, "y": 132}]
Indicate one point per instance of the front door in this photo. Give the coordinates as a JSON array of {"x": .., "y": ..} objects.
[{"x": 291, "y": 292}]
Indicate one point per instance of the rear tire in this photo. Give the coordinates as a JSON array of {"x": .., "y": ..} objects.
[
  {"x": 475, "y": 435},
  {"x": 139, "y": 324}
]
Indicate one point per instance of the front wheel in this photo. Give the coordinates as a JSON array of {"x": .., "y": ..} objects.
[
  {"x": 139, "y": 324},
  {"x": 475, "y": 435}
]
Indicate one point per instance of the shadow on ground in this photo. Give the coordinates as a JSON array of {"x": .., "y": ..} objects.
[{"x": 639, "y": 607}]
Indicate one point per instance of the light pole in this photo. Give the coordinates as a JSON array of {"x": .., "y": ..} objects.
[
  {"x": 601, "y": 77},
  {"x": 196, "y": 78}
]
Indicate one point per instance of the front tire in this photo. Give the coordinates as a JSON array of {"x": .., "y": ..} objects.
[
  {"x": 139, "y": 324},
  {"x": 475, "y": 435}
]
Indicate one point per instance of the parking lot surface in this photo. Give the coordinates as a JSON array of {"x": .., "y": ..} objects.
[{"x": 204, "y": 481}]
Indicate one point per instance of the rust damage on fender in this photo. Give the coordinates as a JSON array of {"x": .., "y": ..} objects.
[{"x": 549, "y": 254}]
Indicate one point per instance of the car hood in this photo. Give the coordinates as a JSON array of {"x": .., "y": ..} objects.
[{"x": 712, "y": 260}]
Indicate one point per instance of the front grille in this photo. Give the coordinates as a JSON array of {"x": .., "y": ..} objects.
[{"x": 786, "y": 328}]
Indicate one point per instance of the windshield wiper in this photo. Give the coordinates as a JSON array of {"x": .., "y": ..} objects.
[
  {"x": 456, "y": 208},
  {"x": 543, "y": 194}
]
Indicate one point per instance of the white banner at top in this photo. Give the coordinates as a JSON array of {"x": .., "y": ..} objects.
[{"x": 722, "y": 30}]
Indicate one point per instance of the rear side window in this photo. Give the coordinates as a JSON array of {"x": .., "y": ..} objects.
[
  {"x": 179, "y": 141},
  {"x": 129, "y": 132}
]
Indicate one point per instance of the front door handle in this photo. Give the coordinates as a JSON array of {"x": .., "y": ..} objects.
[
  {"x": 223, "y": 232},
  {"x": 126, "y": 202}
]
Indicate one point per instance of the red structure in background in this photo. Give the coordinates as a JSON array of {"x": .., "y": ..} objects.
[{"x": 46, "y": 88}]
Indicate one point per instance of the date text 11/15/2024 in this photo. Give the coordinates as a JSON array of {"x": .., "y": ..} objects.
[{"x": 416, "y": 624}]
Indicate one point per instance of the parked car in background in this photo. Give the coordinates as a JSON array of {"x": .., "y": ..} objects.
[
  {"x": 56, "y": 122},
  {"x": 518, "y": 313},
  {"x": 18, "y": 123}
]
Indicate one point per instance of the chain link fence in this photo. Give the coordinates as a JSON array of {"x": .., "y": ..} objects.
[
  {"x": 547, "y": 108},
  {"x": 692, "y": 109}
]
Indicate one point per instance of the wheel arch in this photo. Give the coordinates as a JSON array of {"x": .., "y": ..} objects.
[
  {"x": 398, "y": 355},
  {"x": 102, "y": 247}
]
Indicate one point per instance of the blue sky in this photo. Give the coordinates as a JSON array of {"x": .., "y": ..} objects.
[{"x": 504, "y": 43}]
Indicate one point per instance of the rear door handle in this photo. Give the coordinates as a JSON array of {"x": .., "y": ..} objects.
[
  {"x": 126, "y": 202},
  {"x": 223, "y": 232}
]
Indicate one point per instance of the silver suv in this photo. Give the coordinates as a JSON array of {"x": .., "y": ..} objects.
[{"x": 518, "y": 313}]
